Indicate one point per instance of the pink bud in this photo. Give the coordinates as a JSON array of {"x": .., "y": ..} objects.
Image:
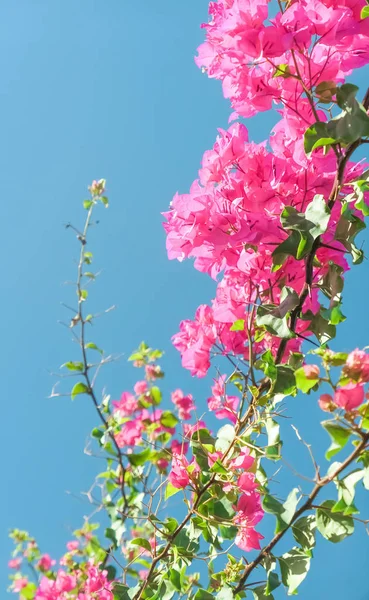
[
  {"x": 311, "y": 371},
  {"x": 326, "y": 402}
]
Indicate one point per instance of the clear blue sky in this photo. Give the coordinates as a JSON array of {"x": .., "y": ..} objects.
[{"x": 94, "y": 89}]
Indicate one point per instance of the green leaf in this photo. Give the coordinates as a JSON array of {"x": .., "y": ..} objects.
[
  {"x": 266, "y": 363},
  {"x": 294, "y": 566},
  {"x": 285, "y": 382},
  {"x": 225, "y": 593},
  {"x": 259, "y": 593},
  {"x": 139, "y": 459},
  {"x": 168, "y": 419},
  {"x": 87, "y": 204},
  {"x": 92, "y": 346},
  {"x": 87, "y": 257},
  {"x": 339, "y": 436},
  {"x": 304, "y": 532},
  {"x": 289, "y": 247},
  {"x": 238, "y": 325},
  {"x": 283, "y": 512},
  {"x": 83, "y": 295},
  {"x": 79, "y": 388},
  {"x": 97, "y": 433},
  {"x": 320, "y": 326},
  {"x": 74, "y": 366},
  {"x": 346, "y": 94},
  {"x": 334, "y": 527},
  {"x": 155, "y": 394},
  {"x": 304, "y": 383},
  {"x": 110, "y": 534},
  {"x": 225, "y": 437},
  {"x": 112, "y": 572},
  {"x": 105, "y": 201},
  {"x": 317, "y": 136},
  {"x": 142, "y": 543},
  {"x": 273, "y": 450},
  {"x": 120, "y": 591},
  {"x": 364, "y": 12},
  {"x": 218, "y": 468},
  {"x": 275, "y": 325},
  {"x": 28, "y": 592},
  {"x": 347, "y": 229},
  {"x": 202, "y": 594},
  {"x": 332, "y": 282},
  {"x": 170, "y": 490},
  {"x": 282, "y": 71},
  {"x": 305, "y": 227},
  {"x": 353, "y": 122},
  {"x": 176, "y": 578},
  {"x": 346, "y": 486}
]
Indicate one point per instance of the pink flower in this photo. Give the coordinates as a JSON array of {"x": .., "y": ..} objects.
[
  {"x": 143, "y": 574},
  {"x": 184, "y": 404},
  {"x": 326, "y": 402},
  {"x": 189, "y": 430},
  {"x": 243, "y": 460},
  {"x": 73, "y": 545},
  {"x": 152, "y": 372},
  {"x": 246, "y": 482},
  {"x": 64, "y": 582},
  {"x": 15, "y": 563},
  {"x": 224, "y": 406},
  {"x": 311, "y": 371},
  {"x": 249, "y": 513},
  {"x": 349, "y": 396},
  {"x": 19, "y": 584},
  {"x": 130, "y": 434},
  {"x": 213, "y": 457},
  {"x": 45, "y": 563},
  {"x": 98, "y": 584},
  {"x": 97, "y": 188},
  {"x": 179, "y": 447},
  {"x": 162, "y": 464},
  {"x": 357, "y": 365},
  {"x": 140, "y": 387},
  {"x": 127, "y": 404},
  {"x": 179, "y": 476}
]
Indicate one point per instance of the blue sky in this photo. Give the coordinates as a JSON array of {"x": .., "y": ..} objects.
[{"x": 94, "y": 89}]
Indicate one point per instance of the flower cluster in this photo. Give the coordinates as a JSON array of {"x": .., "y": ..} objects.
[
  {"x": 82, "y": 580},
  {"x": 261, "y": 60},
  {"x": 230, "y": 221}
]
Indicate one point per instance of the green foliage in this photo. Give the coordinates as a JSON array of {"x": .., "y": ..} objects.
[
  {"x": 333, "y": 526},
  {"x": 348, "y": 127},
  {"x": 304, "y": 227},
  {"x": 283, "y": 512},
  {"x": 79, "y": 388},
  {"x": 294, "y": 566},
  {"x": 304, "y": 383},
  {"x": 274, "y": 318},
  {"x": 339, "y": 436},
  {"x": 304, "y": 532},
  {"x": 238, "y": 325},
  {"x": 120, "y": 591}
]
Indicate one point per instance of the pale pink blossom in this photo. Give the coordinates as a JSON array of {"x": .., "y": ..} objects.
[
  {"x": 140, "y": 387},
  {"x": 326, "y": 402},
  {"x": 15, "y": 563}
]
